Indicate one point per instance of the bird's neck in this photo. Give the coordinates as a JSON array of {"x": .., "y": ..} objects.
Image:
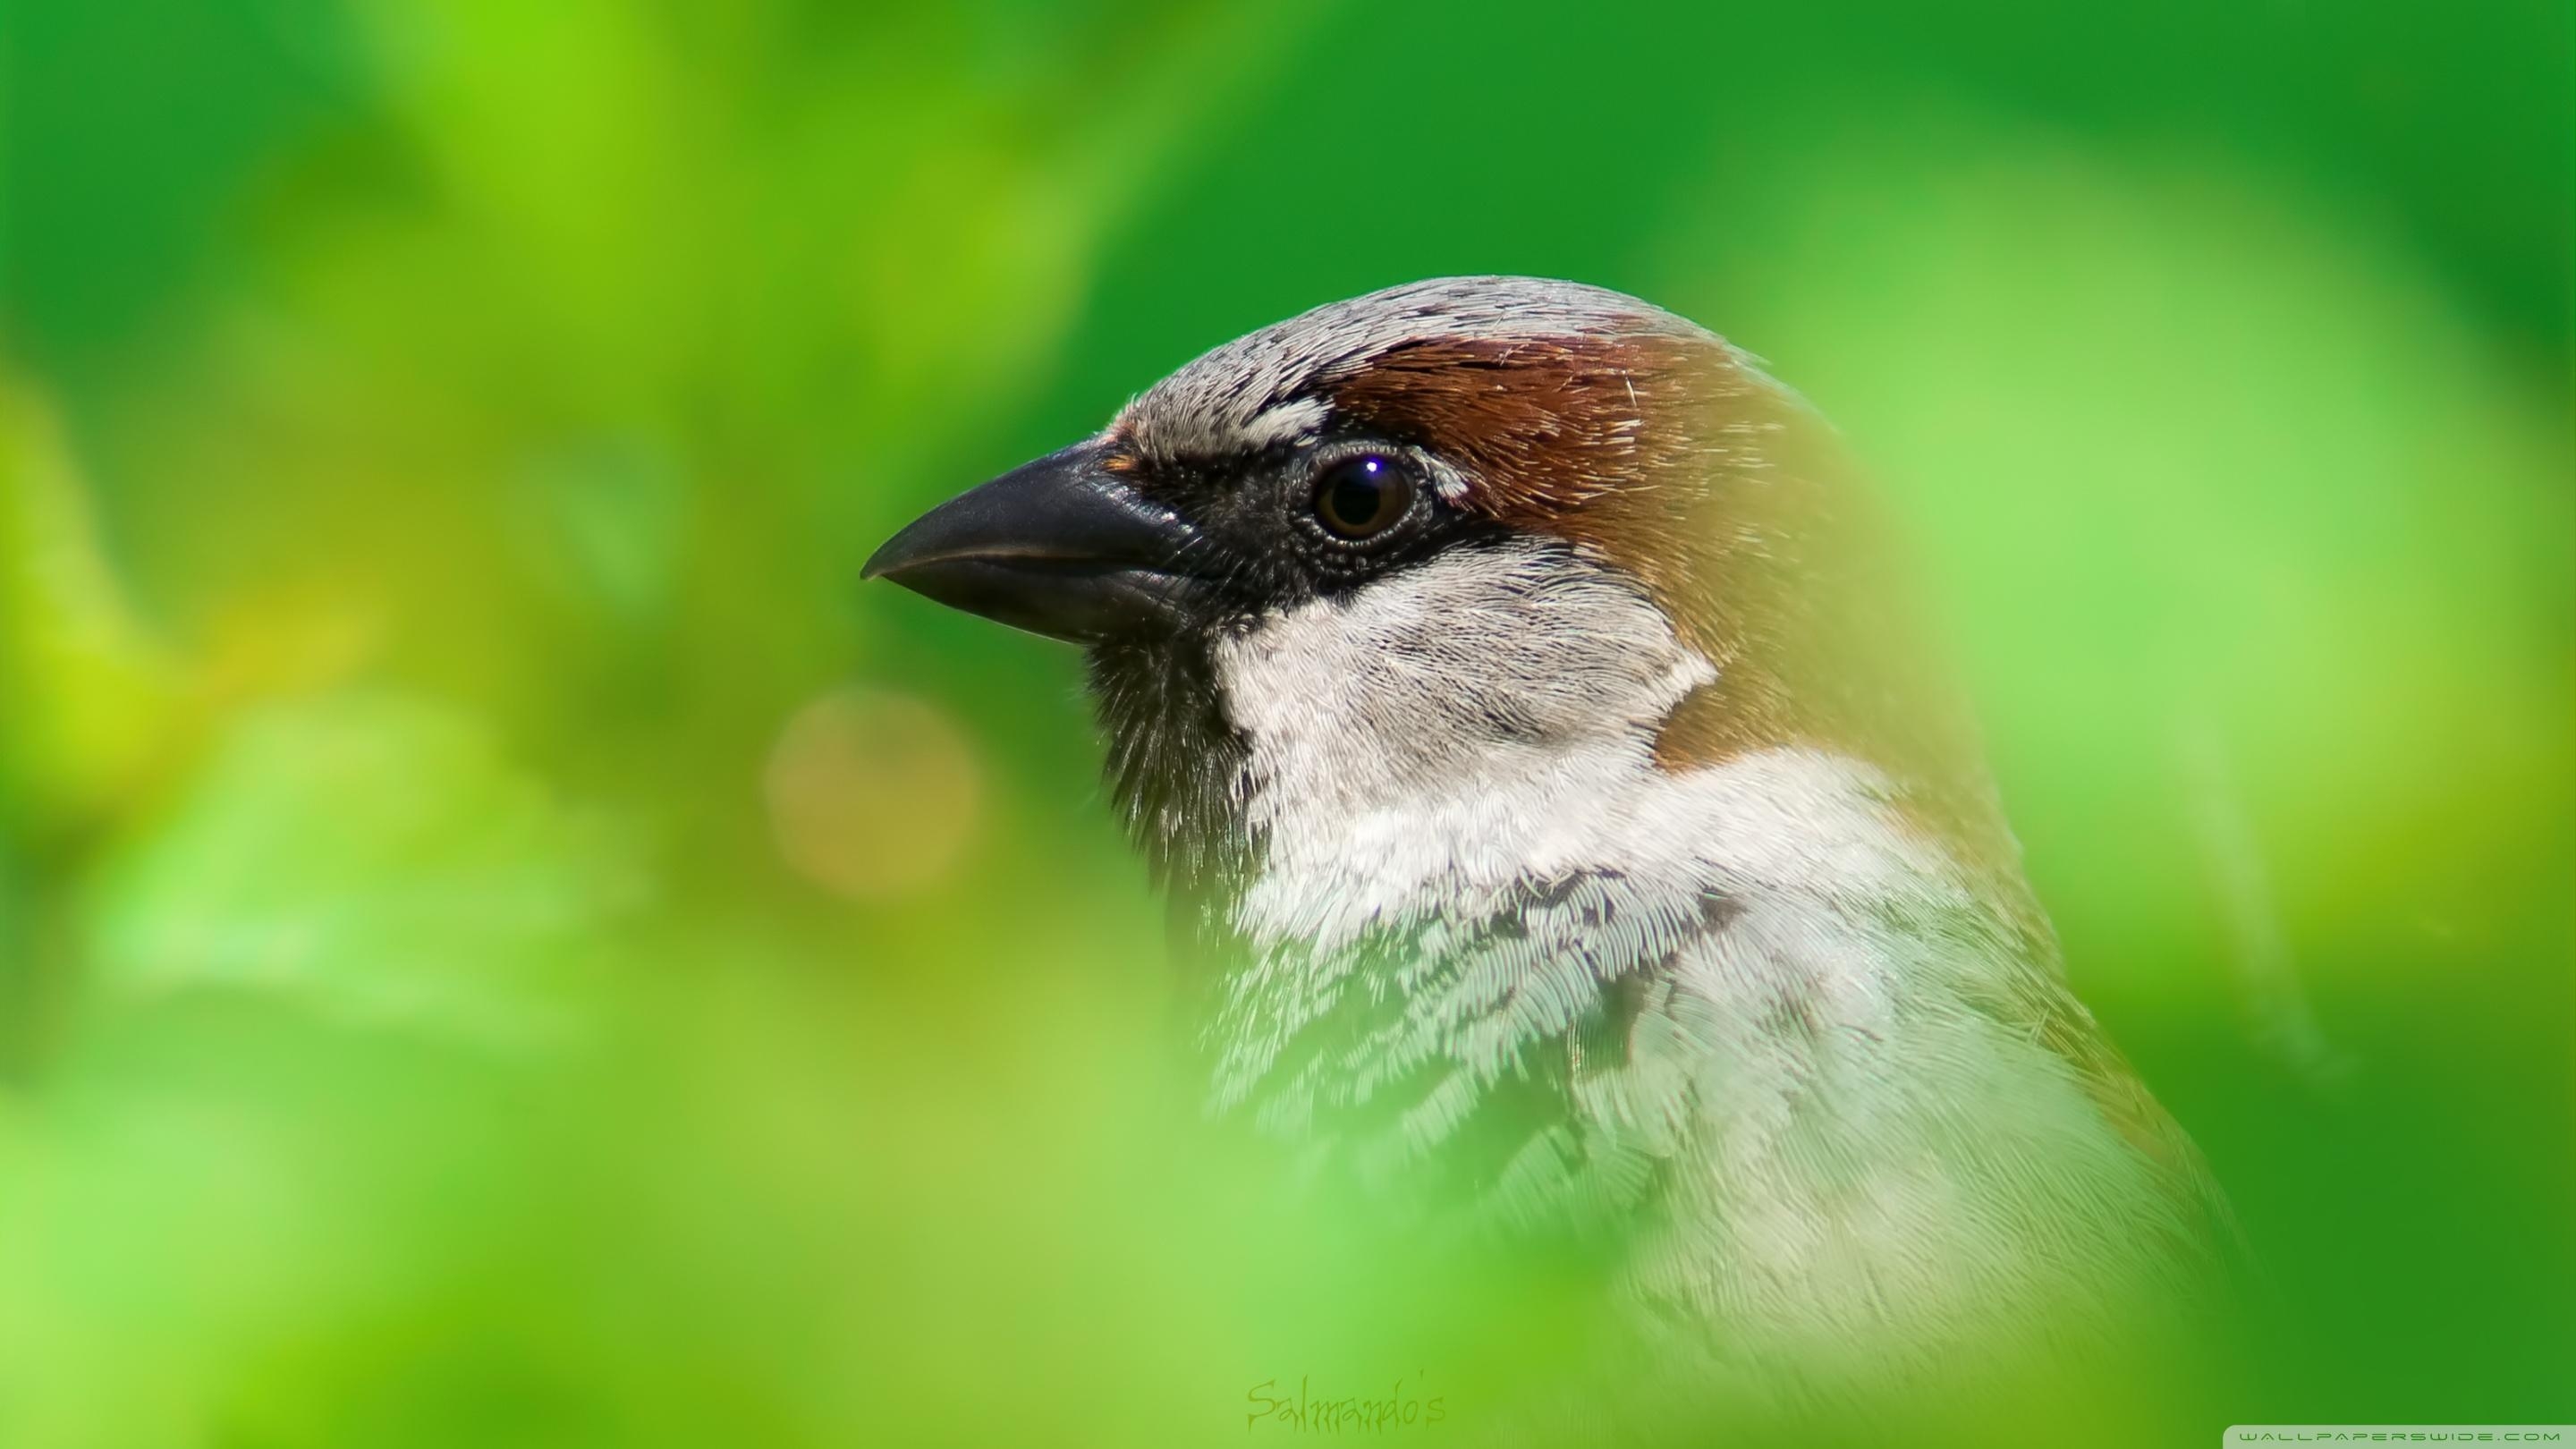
[
  {"x": 1463, "y": 904},
  {"x": 1424, "y": 748},
  {"x": 1744, "y": 1020},
  {"x": 1435, "y": 747}
]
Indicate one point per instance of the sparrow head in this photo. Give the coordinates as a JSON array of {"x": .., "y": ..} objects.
[
  {"x": 1318, "y": 456},
  {"x": 1432, "y": 534}
]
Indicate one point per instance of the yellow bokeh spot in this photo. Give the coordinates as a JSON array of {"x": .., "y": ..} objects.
[{"x": 873, "y": 793}]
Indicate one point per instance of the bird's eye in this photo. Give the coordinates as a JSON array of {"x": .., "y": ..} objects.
[{"x": 1362, "y": 497}]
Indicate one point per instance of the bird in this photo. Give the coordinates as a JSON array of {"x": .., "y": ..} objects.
[{"x": 1524, "y": 703}]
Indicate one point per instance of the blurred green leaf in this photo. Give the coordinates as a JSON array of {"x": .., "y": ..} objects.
[
  {"x": 369, "y": 856},
  {"x": 90, "y": 697}
]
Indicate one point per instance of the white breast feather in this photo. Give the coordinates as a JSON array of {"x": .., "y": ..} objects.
[{"x": 1486, "y": 720}]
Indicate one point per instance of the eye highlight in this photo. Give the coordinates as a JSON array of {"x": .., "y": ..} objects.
[{"x": 1360, "y": 498}]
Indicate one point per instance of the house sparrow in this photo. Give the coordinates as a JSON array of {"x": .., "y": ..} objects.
[{"x": 1505, "y": 674}]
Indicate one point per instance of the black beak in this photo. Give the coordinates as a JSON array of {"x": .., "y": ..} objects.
[{"x": 1060, "y": 547}]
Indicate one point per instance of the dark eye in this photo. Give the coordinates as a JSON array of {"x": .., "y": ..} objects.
[{"x": 1363, "y": 497}]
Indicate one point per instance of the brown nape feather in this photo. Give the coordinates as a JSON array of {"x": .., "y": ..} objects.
[{"x": 1665, "y": 452}]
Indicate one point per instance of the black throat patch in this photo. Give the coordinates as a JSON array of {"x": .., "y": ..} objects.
[{"x": 1173, "y": 763}]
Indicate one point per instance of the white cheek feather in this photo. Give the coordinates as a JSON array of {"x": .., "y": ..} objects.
[{"x": 1488, "y": 718}]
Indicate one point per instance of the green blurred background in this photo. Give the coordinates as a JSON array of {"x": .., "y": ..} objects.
[{"x": 502, "y": 941}]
